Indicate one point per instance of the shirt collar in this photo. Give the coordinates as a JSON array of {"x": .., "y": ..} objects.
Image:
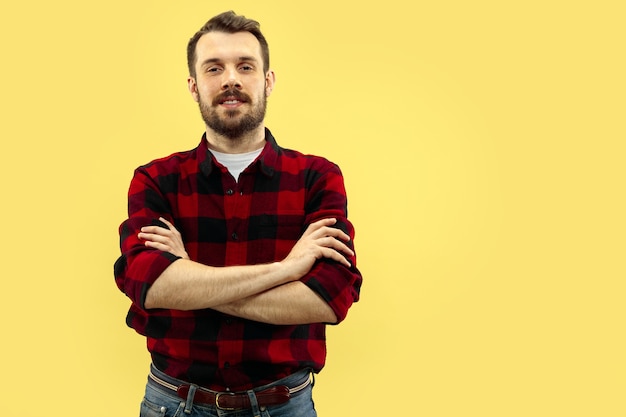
[{"x": 267, "y": 161}]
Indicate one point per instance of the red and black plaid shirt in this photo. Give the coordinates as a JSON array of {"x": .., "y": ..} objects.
[{"x": 224, "y": 222}]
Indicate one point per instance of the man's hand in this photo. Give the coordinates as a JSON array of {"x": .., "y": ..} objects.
[
  {"x": 320, "y": 240},
  {"x": 166, "y": 240}
]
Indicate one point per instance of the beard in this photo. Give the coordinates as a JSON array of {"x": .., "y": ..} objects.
[{"x": 233, "y": 125}]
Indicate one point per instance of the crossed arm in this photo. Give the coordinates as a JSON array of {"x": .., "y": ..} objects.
[{"x": 270, "y": 293}]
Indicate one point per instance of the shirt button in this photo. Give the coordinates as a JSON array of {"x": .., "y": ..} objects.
[
  {"x": 226, "y": 365},
  {"x": 234, "y": 236},
  {"x": 229, "y": 191}
]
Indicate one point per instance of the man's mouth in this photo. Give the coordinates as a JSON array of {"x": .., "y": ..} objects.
[
  {"x": 231, "y": 101},
  {"x": 231, "y": 98}
]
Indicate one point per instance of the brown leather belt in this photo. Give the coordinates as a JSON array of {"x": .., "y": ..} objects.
[
  {"x": 229, "y": 401},
  {"x": 237, "y": 400}
]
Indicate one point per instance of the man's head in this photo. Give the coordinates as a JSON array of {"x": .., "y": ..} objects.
[
  {"x": 228, "y": 22},
  {"x": 229, "y": 75}
]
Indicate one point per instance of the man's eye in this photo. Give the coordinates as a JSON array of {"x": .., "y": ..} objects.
[
  {"x": 213, "y": 69},
  {"x": 246, "y": 68}
]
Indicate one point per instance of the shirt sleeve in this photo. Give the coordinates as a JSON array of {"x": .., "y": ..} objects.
[
  {"x": 139, "y": 266},
  {"x": 336, "y": 284}
]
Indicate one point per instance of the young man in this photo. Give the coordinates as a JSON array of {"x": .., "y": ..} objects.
[{"x": 238, "y": 253}]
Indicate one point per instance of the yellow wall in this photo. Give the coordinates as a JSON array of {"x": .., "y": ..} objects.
[{"x": 483, "y": 148}]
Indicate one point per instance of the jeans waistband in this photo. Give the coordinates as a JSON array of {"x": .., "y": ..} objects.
[{"x": 295, "y": 380}]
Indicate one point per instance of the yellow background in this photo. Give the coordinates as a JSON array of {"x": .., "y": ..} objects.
[{"x": 483, "y": 148}]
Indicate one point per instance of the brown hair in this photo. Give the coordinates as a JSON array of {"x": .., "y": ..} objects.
[{"x": 228, "y": 22}]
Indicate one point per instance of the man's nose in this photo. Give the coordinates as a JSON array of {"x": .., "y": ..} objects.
[{"x": 231, "y": 79}]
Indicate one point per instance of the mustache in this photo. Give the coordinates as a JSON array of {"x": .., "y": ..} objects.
[{"x": 229, "y": 94}]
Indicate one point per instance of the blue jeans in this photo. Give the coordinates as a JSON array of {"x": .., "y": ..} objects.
[{"x": 162, "y": 402}]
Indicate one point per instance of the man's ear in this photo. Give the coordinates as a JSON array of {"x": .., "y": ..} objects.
[
  {"x": 193, "y": 88},
  {"x": 270, "y": 81}
]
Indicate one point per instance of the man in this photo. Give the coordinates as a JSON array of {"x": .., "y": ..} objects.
[{"x": 238, "y": 253}]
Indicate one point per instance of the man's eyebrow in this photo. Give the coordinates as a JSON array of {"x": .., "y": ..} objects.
[
  {"x": 247, "y": 58},
  {"x": 210, "y": 61}
]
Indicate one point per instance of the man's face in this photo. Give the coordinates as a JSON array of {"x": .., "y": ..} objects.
[{"x": 230, "y": 85}]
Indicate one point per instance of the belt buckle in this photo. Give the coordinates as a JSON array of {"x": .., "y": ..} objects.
[{"x": 217, "y": 401}]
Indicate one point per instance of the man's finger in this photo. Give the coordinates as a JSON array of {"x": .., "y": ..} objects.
[
  {"x": 324, "y": 231},
  {"x": 155, "y": 230},
  {"x": 331, "y": 242},
  {"x": 336, "y": 256},
  {"x": 153, "y": 237},
  {"x": 320, "y": 224}
]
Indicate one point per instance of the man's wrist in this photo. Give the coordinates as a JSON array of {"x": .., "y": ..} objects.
[{"x": 284, "y": 271}]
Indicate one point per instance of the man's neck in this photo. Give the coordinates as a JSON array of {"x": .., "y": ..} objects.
[{"x": 248, "y": 142}]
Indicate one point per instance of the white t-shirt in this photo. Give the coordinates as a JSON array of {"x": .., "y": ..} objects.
[{"x": 236, "y": 162}]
